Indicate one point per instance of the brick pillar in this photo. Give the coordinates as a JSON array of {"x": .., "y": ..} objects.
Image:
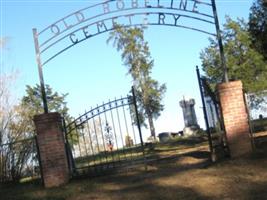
[
  {"x": 52, "y": 149},
  {"x": 235, "y": 117}
]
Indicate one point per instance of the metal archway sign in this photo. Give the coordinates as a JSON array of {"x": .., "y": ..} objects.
[{"x": 88, "y": 22}]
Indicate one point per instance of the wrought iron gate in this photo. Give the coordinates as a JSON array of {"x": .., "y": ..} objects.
[
  {"x": 257, "y": 108},
  {"x": 105, "y": 139},
  {"x": 213, "y": 119}
]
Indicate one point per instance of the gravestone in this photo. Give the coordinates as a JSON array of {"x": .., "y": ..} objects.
[{"x": 190, "y": 119}]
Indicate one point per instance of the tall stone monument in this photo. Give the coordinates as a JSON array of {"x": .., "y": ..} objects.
[{"x": 190, "y": 119}]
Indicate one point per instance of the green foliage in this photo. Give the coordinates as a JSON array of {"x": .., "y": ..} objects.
[
  {"x": 136, "y": 57},
  {"x": 258, "y": 26},
  {"x": 33, "y": 101},
  {"x": 150, "y": 94},
  {"x": 135, "y": 51},
  {"x": 243, "y": 62},
  {"x": 31, "y": 105}
]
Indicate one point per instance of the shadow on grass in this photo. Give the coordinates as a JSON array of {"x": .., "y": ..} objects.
[
  {"x": 137, "y": 185},
  {"x": 153, "y": 184},
  {"x": 237, "y": 176},
  {"x": 153, "y": 191},
  {"x": 259, "y": 191}
]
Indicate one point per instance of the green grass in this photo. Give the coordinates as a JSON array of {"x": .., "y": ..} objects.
[
  {"x": 120, "y": 155},
  {"x": 135, "y": 153}
]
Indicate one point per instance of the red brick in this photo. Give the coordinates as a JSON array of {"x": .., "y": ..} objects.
[
  {"x": 52, "y": 149},
  {"x": 235, "y": 117}
]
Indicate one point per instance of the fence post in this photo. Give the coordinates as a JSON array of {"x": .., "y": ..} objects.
[
  {"x": 51, "y": 144},
  {"x": 235, "y": 117}
]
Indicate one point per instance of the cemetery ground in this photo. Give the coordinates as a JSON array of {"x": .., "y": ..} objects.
[{"x": 177, "y": 170}]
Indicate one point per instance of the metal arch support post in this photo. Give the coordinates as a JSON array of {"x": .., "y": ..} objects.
[
  {"x": 205, "y": 111},
  {"x": 40, "y": 70},
  {"x": 219, "y": 38}
]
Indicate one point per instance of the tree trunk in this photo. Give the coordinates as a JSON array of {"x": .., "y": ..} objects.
[{"x": 151, "y": 126}]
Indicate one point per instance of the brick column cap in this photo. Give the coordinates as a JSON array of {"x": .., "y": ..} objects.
[
  {"x": 46, "y": 117},
  {"x": 230, "y": 85}
]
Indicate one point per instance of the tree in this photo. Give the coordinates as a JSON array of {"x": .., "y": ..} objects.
[
  {"x": 136, "y": 57},
  {"x": 31, "y": 105},
  {"x": 33, "y": 100},
  {"x": 13, "y": 156},
  {"x": 6, "y": 107},
  {"x": 243, "y": 62},
  {"x": 17, "y": 120},
  {"x": 258, "y": 26},
  {"x": 6, "y": 98},
  {"x": 149, "y": 95},
  {"x": 15, "y": 151},
  {"x": 16, "y": 124}
]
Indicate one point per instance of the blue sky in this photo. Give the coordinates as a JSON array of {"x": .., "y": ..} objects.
[{"x": 92, "y": 71}]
